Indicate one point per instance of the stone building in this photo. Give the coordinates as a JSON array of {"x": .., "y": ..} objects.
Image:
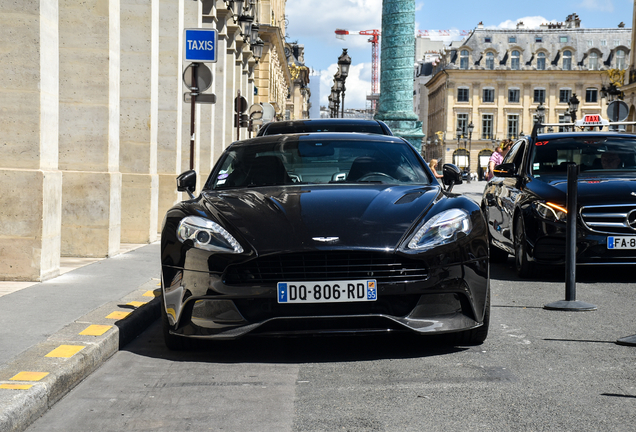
[
  {"x": 496, "y": 79},
  {"x": 629, "y": 89},
  {"x": 297, "y": 106},
  {"x": 94, "y": 124}
]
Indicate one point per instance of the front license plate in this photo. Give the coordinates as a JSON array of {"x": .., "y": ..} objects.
[
  {"x": 327, "y": 292},
  {"x": 621, "y": 242}
]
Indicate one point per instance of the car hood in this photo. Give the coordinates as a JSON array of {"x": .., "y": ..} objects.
[
  {"x": 314, "y": 218},
  {"x": 591, "y": 190}
]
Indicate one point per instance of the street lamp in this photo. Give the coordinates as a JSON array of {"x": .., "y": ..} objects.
[
  {"x": 540, "y": 115},
  {"x": 257, "y": 48},
  {"x": 344, "y": 62},
  {"x": 459, "y": 131},
  {"x": 335, "y": 96}
]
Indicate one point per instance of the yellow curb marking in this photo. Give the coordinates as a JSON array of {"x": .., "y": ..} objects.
[
  {"x": 95, "y": 330},
  {"x": 150, "y": 293},
  {"x": 16, "y": 386},
  {"x": 65, "y": 351},
  {"x": 136, "y": 303},
  {"x": 117, "y": 315},
  {"x": 29, "y": 376}
]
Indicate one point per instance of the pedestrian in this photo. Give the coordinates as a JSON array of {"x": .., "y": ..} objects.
[
  {"x": 497, "y": 157},
  {"x": 433, "y": 164}
]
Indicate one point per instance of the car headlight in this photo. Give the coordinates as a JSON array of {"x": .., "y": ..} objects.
[
  {"x": 207, "y": 235},
  {"x": 441, "y": 229},
  {"x": 550, "y": 211}
]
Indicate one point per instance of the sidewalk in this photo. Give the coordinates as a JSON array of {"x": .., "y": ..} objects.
[{"x": 53, "y": 334}]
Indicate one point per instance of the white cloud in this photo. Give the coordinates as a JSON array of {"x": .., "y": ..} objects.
[
  {"x": 315, "y": 18},
  {"x": 357, "y": 87},
  {"x": 529, "y": 22},
  {"x": 598, "y": 5}
]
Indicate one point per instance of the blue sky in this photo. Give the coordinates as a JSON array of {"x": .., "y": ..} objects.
[{"x": 313, "y": 23}]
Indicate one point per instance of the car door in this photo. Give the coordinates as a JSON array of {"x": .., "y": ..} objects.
[{"x": 506, "y": 193}]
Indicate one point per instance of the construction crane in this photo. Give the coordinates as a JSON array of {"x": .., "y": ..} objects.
[{"x": 375, "y": 55}]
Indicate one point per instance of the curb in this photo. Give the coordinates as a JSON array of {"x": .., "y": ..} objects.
[{"x": 39, "y": 377}]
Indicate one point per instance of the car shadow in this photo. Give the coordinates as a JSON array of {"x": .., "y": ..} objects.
[
  {"x": 584, "y": 274},
  {"x": 295, "y": 350}
]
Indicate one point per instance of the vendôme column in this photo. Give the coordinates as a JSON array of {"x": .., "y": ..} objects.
[{"x": 396, "y": 74}]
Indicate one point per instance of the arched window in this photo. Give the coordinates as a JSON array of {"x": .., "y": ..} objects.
[
  {"x": 490, "y": 61},
  {"x": 592, "y": 63},
  {"x": 514, "y": 62},
  {"x": 463, "y": 59},
  {"x": 567, "y": 60},
  {"x": 620, "y": 59},
  {"x": 541, "y": 61}
]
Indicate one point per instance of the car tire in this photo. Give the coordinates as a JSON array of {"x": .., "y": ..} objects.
[
  {"x": 173, "y": 342},
  {"x": 478, "y": 335},
  {"x": 523, "y": 266}
]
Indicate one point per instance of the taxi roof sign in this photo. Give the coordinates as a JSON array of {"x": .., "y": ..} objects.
[{"x": 591, "y": 120}]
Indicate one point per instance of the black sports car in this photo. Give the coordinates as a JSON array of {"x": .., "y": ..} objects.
[
  {"x": 325, "y": 125},
  {"x": 525, "y": 204},
  {"x": 323, "y": 234}
]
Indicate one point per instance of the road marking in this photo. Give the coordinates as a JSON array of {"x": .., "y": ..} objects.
[
  {"x": 28, "y": 376},
  {"x": 117, "y": 315},
  {"x": 136, "y": 303},
  {"x": 150, "y": 293},
  {"x": 95, "y": 330},
  {"x": 65, "y": 351},
  {"x": 16, "y": 386}
]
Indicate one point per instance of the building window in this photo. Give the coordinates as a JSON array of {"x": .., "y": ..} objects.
[
  {"x": 463, "y": 59},
  {"x": 462, "y": 123},
  {"x": 564, "y": 95},
  {"x": 603, "y": 43},
  {"x": 513, "y": 95},
  {"x": 512, "y": 39},
  {"x": 541, "y": 61},
  {"x": 490, "y": 61},
  {"x": 620, "y": 59},
  {"x": 593, "y": 61},
  {"x": 538, "y": 39},
  {"x": 617, "y": 42},
  {"x": 563, "y": 39},
  {"x": 513, "y": 126},
  {"x": 487, "y": 39},
  {"x": 539, "y": 95},
  {"x": 514, "y": 61},
  {"x": 462, "y": 94},
  {"x": 567, "y": 60},
  {"x": 486, "y": 126},
  {"x": 591, "y": 95},
  {"x": 489, "y": 95},
  {"x": 590, "y": 43},
  {"x": 563, "y": 119}
]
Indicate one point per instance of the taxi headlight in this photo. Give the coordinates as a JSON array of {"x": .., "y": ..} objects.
[
  {"x": 550, "y": 211},
  {"x": 441, "y": 229},
  {"x": 207, "y": 235}
]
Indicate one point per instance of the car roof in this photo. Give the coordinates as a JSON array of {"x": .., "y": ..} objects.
[
  {"x": 554, "y": 135},
  {"x": 324, "y": 122},
  {"x": 333, "y": 136}
]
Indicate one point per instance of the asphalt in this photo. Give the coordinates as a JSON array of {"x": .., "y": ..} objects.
[{"x": 56, "y": 333}]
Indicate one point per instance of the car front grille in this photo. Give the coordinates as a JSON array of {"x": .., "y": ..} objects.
[
  {"x": 326, "y": 266},
  {"x": 608, "y": 219}
]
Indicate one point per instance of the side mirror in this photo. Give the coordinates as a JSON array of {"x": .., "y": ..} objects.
[
  {"x": 187, "y": 182},
  {"x": 505, "y": 170},
  {"x": 452, "y": 176}
]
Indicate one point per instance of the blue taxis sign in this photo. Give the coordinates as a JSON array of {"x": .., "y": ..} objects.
[{"x": 200, "y": 45}]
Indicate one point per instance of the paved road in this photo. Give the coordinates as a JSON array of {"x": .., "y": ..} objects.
[{"x": 538, "y": 370}]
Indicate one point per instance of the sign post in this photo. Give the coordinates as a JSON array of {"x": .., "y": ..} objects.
[{"x": 200, "y": 47}]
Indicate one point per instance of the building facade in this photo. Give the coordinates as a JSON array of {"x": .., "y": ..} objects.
[
  {"x": 499, "y": 81},
  {"x": 95, "y": 127}
]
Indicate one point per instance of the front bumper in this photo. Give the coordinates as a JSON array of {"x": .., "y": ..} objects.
[{"x": 199, "y": 304}]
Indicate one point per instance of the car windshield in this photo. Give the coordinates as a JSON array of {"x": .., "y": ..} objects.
[
  {"x": 594, "y": 154},
  {"x": 323, "y": 126},
  {"x": 307, "y": 159}
]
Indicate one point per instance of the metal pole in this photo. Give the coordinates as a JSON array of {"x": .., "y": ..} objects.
[
  {"x": 570, "y": 303},
  {"x": 343, "y": 94},
  {"x": 193, "y": 96},
  {"x": 238, "y": 115}
]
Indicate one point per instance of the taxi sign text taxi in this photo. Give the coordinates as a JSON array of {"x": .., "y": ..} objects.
[{"x": 200, "y": 45}]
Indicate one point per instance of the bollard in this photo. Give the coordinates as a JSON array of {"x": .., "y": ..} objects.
[{"x": 570, "y": 303}]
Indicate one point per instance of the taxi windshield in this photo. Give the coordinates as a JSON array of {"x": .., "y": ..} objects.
[{"x": 591, "y": 153}]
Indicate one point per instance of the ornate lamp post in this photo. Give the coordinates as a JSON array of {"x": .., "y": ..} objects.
[
  {"x": 573, "y": 105},
  {"x": 344, "y": 62},
  {"x": 540, "y": 114},
  {"x": 459, "y": 131}
]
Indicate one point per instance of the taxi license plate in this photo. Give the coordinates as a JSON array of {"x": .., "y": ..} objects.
[
  {"x": 621, "y": 242},
  {"x": 327, "y": 292}
]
